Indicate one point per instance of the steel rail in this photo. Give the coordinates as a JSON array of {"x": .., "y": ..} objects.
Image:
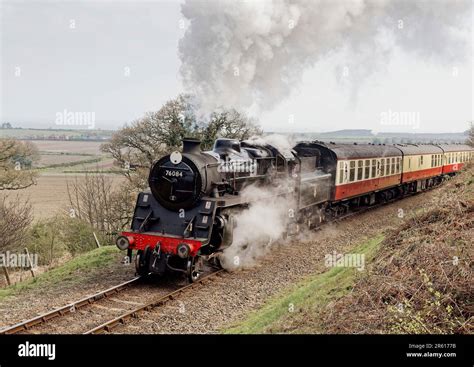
[
  {"x": 160, "y": 301},
  {"x": 70, "y": 308}
]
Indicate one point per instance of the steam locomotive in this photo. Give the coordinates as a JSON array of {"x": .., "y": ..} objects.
[{"x": 188, "y": 215}]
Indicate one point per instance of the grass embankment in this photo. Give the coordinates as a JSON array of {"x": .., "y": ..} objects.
[
  {"x": 70, "y": 272},
  {"x": 420, "y": 279},
  {"x": 310, "y": 295}
]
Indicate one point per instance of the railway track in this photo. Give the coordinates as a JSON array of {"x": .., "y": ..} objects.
[
  {"x": 122, "y": 319},
  {"x": 68, "y": 309},
  {"x": 152, "y": 303},
  {"x": 66, "y": 316}
]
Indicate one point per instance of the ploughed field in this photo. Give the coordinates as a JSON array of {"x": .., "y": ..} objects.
[{"x": 60, "y": 163}]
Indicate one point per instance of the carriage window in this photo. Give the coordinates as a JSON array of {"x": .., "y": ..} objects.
[
  {"x": 432, "y": 160},
  {"x": 387, "y": 166},
  {"x": 398, "y": 164},
  {"x": 393, "y": 166},
  {"x": 421, "y": 160},
  {"x": 360, "y": 169},
  {"x": 374, "y": 168},
  {"x": 367, "y": 169},
  {"x": 382, "y": 167},
  {"x": 352, "y": 171}
]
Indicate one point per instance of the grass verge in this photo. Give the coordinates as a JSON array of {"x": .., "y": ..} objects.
[
  {"x": 68, "y": 272},
  {"x": 307, "y": 297}
]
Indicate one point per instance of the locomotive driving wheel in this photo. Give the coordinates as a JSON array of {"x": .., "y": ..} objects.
[
  {"x": 141, "y": 261},
  {"x": 194, "y": 268}
]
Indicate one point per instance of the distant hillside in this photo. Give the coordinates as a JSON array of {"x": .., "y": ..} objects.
[
  {"x": 348, "y": 132},
  {"x": 56, "y": 134},
  {"x": 367, "y": 136}
]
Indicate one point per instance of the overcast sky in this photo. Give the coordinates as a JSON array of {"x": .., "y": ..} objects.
[{"x": 118, "y": 60}]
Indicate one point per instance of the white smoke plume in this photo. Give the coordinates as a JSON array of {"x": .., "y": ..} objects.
[
  {"x": 253, "y": 53},
  {"x": 257, "y": 228},
  {"x": 263, "y": 223},
  {"x": 282, "y": 143}
]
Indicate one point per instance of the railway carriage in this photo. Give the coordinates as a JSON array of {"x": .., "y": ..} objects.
[
  {"x": 422, "y": 166},
  {"x": 361, "y": 174},
  {"x": 455, "y": 156}
]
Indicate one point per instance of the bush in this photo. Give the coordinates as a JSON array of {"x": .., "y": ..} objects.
[
  {"x": 78, "y": 236},
  {"x": 45, "y": 239},
  {"x": 421, "y": 280}
]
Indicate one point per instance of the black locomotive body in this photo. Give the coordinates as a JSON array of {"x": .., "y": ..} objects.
[{"x": 188, "y": 214}]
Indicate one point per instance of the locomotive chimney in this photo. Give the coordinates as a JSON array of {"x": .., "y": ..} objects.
[{"x": 191, "y": 146}]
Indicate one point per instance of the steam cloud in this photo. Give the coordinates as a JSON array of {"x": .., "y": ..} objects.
[
  {"x": 257, "y": 228},
  {"x": 264, "y": 222},
  {"x": 253, "y": 53}
]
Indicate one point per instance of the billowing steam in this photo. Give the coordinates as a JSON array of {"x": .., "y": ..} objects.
[
  {"x": 283, "y": 143},
  {"x": 254, "y": 53},
  {"x": 258, "y": 227},
  {"x": 263, "y": 223}
]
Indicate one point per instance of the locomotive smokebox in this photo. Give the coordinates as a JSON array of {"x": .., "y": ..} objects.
[{"x": 191, "y": 146}]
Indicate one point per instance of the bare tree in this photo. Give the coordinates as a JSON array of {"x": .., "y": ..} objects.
[
  {"x": 15, "y": 218},
  {"x": 228, "y": 124},
  {"x": 470, "y": 138},
  {"x": 135, "y": 147},
  {"x": 16, "y": 160},
  {"x": 94, "y": 200}
]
